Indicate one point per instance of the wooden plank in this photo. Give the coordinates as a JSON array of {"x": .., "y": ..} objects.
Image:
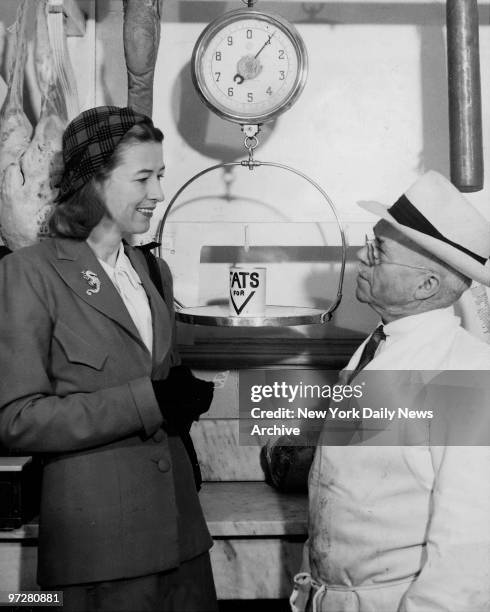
[{"x": 329, "y": 353}]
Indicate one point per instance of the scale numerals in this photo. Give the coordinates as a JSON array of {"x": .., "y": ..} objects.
[{"x": 250, "y": 68}]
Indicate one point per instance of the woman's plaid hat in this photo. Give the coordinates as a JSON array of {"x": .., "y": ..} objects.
[{"x": 89, "y": 141}]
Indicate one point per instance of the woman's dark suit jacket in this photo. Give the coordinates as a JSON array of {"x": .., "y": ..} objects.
[{"x": 118, "y": 497}]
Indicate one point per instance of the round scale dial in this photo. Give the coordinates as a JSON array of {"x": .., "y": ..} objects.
[{"x": 249, "y": 66}]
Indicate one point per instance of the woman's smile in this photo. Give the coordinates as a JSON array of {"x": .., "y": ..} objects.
[{"x": 147, "y": 211}]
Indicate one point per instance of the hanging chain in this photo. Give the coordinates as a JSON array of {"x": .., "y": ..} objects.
[
  {"x": 251, "y": 142},
  {"x": 250, "y": 3}
]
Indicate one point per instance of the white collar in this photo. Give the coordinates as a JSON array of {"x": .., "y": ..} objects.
[
  {"x": 438, "y": 317},
  {"x": 123, "y": 265},
  {"x": 420, "y": 342}
]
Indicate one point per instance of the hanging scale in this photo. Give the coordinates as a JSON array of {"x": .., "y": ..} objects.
[{"x": 248, "y": 67}]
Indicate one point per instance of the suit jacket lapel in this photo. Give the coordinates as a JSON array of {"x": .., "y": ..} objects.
[
  {"x": 161, "y": 317},
  {"x": 75, "y": 257}
]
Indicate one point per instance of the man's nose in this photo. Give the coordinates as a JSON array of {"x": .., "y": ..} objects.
[{"x": 363, "y": 255}]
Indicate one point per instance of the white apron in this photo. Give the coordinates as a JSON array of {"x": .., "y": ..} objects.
[{"x": 402, "y": 528}]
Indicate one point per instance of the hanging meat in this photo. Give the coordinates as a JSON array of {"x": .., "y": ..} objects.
[
  {"x": 28, "y": 187},
  {"x": 141, "y": 34},
  {"x": 15, "y": 128}
]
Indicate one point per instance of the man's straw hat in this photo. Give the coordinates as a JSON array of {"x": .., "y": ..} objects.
[{"x": 434, "y": 214}]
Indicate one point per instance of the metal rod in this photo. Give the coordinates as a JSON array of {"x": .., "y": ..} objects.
[{"x": 465, "y": 116}]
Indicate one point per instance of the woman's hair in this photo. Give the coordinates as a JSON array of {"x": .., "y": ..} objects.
[{"x": 81, "y": 212}]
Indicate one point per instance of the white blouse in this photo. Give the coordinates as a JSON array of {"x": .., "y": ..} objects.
[{"x": 129, "y": 286}]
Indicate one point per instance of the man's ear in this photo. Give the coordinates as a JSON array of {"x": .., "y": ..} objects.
[{"x": 428, "y": 287}]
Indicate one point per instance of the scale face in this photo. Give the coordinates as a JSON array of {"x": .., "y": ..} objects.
[{"x": 249, "y": 66}]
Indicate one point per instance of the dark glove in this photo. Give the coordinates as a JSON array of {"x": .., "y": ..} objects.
[{"x": 182, "y": 398}]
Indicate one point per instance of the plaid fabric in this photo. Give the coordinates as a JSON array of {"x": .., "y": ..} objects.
[{"x": 89, "y": 141}]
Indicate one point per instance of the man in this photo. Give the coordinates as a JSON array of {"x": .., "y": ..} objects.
[{"x": 407, "y": 528}]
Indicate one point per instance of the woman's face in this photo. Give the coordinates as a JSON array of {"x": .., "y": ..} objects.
[{"x": 133, "y": 189}]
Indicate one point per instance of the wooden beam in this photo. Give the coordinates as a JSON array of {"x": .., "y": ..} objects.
[{"x": 327, "y": 353}]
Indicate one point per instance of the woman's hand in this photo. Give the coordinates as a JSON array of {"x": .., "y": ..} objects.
[{"x": 182, "y": 398}]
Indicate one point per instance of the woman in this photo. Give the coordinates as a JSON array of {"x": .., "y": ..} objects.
[{"x": 86, "y": 348}]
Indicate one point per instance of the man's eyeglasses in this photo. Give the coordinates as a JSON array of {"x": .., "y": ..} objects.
[{"x": 374, "y": 259}]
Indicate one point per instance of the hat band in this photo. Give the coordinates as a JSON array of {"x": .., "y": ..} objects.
[{"x": 407, "y": 214}]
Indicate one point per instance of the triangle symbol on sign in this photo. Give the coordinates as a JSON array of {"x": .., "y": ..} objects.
[{"x": 239, "y": 310}]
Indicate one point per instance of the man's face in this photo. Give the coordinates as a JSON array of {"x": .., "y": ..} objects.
[{"x": 389, "y": 285}]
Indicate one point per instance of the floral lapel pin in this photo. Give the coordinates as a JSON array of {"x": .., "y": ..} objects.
[{"x": 93, "y": 281}]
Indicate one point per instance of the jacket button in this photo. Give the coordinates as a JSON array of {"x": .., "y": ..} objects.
[
  {"x": 163, "y": 465},
  {"x": 158, "y": 436}
]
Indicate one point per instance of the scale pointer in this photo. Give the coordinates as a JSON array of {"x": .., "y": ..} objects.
[{"x": 267, "y": 42}]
